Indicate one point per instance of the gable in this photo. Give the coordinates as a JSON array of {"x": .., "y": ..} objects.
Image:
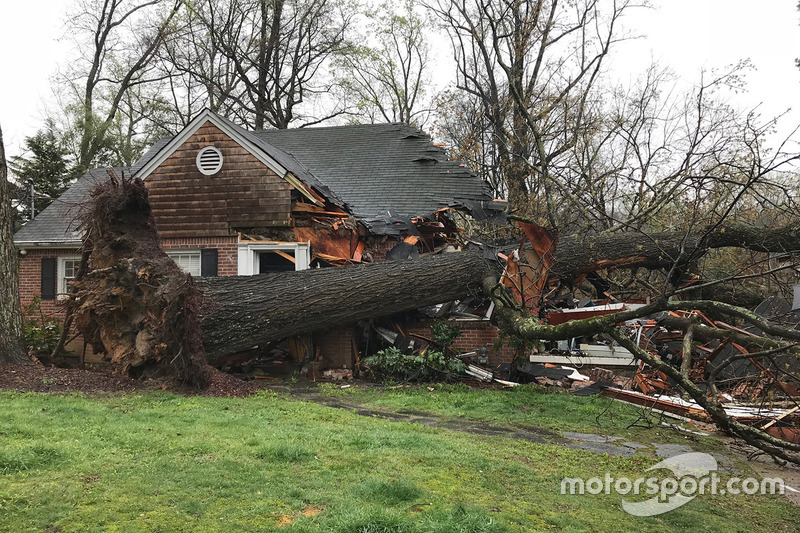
[{"x": 244, "y": 193}]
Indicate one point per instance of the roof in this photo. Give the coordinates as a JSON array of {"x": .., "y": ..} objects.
[
  {"x": 384, "y": 174},
  {"x": 58, "y": 223}
]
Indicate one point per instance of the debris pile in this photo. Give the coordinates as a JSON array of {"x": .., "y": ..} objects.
[{"x": 737, "y": 367}]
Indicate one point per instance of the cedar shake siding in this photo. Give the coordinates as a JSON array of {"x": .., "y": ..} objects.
[{"x": 243, "y": 194}]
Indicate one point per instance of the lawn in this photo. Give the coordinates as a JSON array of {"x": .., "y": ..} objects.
[
  {"x": 162, "y": 462},
  {"x": 548, "y": 408}
]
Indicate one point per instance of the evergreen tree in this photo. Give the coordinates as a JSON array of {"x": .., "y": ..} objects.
[{"x": 45, "y": 165}]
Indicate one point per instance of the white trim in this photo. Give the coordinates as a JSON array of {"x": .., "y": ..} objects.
[
  {"x": 53, "y": 245},
  {"x": 248, "y": 255},
  {"x": 295, "y": 182},
  {"x": 577, "y": 360},
  {"x": 207, "y": 115},
  {"x": 61, "y": 283}
]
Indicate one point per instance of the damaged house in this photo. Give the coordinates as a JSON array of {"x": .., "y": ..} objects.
[{"x": 233, "y": 202}]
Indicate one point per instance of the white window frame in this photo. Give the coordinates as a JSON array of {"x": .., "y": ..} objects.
[
  {"x": 172, "y": 252},
  {"x": 248, "y": 255},
  {"x": 62, "y": 289}
]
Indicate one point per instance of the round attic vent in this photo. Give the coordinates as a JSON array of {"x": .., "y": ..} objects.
[{"x": 209, "y": 160}]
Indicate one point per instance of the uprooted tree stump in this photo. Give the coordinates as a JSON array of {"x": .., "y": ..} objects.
[{"x": 134, "y": 304}]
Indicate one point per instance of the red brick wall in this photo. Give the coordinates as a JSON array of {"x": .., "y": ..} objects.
[
  {"x": 336, "y": 347},
  {"x": 378, "y": 247},
  {"x": 227, "y": 250},
  {"x": 30, "y": 265},
  {"x": 474, "y": 335},
  {"x": 30, "y": 276}
]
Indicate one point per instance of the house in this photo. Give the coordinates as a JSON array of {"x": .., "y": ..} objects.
[{"x": 228, "y": 201}]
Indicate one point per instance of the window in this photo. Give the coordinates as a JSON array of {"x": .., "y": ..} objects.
[
  {"x": 188, "y": 260},
  {"x": 67, "y": 271},
  {"x": 263, "y": 257}
]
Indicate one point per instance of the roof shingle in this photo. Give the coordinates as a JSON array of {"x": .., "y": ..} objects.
[{"x": 384, "y": 174}]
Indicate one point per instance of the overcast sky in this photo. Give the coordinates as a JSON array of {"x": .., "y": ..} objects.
[{"x": 685, "y": 35}]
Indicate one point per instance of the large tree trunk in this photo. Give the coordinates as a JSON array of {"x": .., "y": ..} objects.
[
  {"x": 242, "y": 311},
  {"x": 12, "y": 349},
  {"x": 579, "y": 254}
]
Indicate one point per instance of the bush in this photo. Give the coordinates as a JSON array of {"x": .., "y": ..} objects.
[
  {"x": 391, "y": 364},
  {"x": 444, "y": 334},
  {"x": 42, "y": 332}
]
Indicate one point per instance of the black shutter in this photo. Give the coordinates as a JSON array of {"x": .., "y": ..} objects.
[
  {"x": 208, "y": 262},
  {"x": 49, "y": 278}
]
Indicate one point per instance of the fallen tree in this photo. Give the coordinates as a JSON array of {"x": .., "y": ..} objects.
[
  {"x": 239, "y": 312},
  {"x": 242, "y": 311},
  {"x": 136, "y": 305},
  {"x": 577, "y": 254}
]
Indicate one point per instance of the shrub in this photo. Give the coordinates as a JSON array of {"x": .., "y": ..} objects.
[
  {"x": 42, "y": 332},
  {"x": 391, "y": 364},
  {"x": 444, "y": 335}
]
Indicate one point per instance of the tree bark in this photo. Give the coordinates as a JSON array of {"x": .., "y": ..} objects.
[
  {"x": 242, "y": 311},
  {"x": 579, "y": 254},
  {"x": 12, "y": 347}
]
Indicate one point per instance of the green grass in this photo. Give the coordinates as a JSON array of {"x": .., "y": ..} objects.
[
  {"x": 158, "y": 462},
  {"x": 548, "y": 408}
]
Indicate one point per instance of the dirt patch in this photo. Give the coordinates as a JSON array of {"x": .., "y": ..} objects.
[
  {"x": 311, "y": 510},
  {"x": 37, "y": 378},
  {"x": 221, "y": 384}
]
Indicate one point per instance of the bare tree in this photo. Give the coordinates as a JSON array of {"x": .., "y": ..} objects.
[
  {"x": 533, "y": 65},
  {"x": 462, "y": 123},
  {"x": 386, "y": 77},
  {"x": 259, "y": 60},
  {"x": 643, "y": 178},
  {"x": 11, "y": 339},
  {"x": 116, "y": 40}
]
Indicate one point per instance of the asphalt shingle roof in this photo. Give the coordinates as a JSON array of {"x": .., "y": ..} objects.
[
  {"x": 384, "y": 174},
  {"x": 58, "y": 223}
]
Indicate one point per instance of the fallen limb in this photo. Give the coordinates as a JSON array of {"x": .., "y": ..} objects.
[
  {"x": 753, "y": 436},
  {"x": 516, "y": 322}
]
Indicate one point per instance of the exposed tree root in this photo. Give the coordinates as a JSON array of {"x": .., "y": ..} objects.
[{"x": 134, "y": 304}]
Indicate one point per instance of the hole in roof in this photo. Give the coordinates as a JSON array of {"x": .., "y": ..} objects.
[{"x": 209, "y": 160}]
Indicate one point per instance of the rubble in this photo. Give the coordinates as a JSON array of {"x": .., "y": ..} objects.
[{"x": 737, "y": 366}]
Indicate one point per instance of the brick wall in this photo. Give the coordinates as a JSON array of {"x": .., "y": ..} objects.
[
  {"x": 30, "y": 276},
  {"x": 378, "y": 247},
  {"x": 30, "y": 265},
  {"x": 474, "y": 334},
  {"x": 336, "y": 347},
  {"x": 227, "y": 250}
]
